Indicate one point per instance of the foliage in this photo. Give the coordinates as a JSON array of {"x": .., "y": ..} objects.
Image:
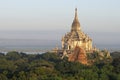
[
  {"x": 115, "y": 54},
  {"x": 48, "y": 66}
]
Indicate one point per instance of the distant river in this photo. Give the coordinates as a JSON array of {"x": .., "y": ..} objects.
[
  {"x": 39, "y": 46},
  {"x": 27, "y": 45}
]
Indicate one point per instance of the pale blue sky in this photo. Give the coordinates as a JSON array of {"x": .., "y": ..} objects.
[
  {"x": 99, "y": 18},
  {"x": 58, "y": 14}
]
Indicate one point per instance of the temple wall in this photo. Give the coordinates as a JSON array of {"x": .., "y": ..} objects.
[
  {"x": 85, "y": 45},
  {"x": 73, "y": 44}
]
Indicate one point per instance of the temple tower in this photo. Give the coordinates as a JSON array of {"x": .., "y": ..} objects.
[{"x": 76, "y": 37}]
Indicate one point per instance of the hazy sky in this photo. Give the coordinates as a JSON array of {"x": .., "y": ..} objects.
[{"x": 99, "y": 18}]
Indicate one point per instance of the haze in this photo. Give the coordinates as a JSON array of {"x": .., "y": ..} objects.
[{"x": 50, "y": 19}]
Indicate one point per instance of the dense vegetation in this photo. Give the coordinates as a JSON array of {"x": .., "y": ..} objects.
[
  {"x": 48, "y": 66},
  {"x": 115, "y": 54}
]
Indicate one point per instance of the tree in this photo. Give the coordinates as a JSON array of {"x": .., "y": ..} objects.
[
  {"x": 13, "y": 55},
  {"x": 116, "y": 64},
  {"x": 3, "y": 77}
]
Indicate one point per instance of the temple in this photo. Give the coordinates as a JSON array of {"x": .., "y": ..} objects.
[
  {"x": 76, "y": 37},
  {"x": 77, "y": 46}
]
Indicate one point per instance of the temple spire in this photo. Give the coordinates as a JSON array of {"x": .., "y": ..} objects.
[
  {"x": 76, "y": 16},
  {"x": 76, "y": 23}
]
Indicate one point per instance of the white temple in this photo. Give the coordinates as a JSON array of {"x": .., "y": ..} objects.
[{"x": 76, "y": 37}]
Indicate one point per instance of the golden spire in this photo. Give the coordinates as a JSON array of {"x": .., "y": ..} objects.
[
  {"x": 76, "y": 16},
  {"x": 76, "y": 23}
]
